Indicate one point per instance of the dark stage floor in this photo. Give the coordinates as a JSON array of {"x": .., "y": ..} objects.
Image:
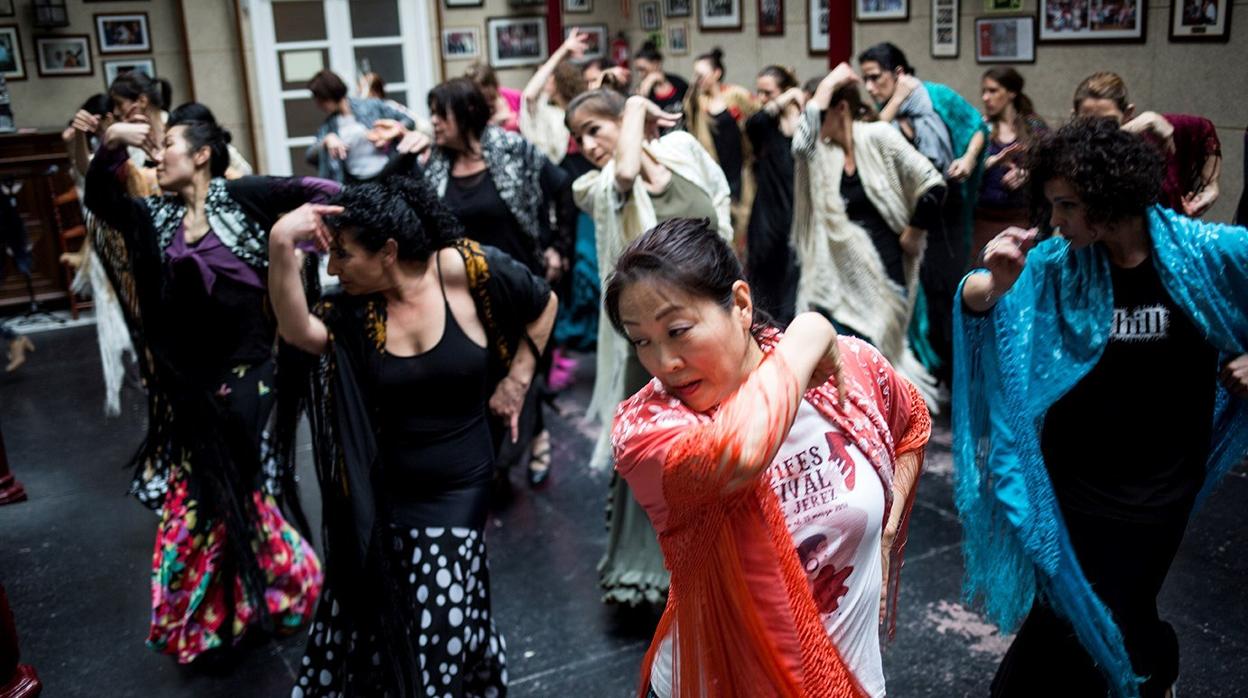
[{"x": 75, "y": 560}]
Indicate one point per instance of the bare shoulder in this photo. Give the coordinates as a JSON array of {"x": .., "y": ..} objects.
[{"x": 454, "y": 271}]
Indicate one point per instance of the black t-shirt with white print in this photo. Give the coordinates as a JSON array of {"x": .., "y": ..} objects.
[{"x": 1130, "y": 441}]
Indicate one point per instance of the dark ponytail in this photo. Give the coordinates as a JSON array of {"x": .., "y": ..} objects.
[
  {"x": 716, "y": 58},
  {"x": 1012, "y": 81},
  {"x": 784, "y": 77},
  {"x": 202, "y": 130},
  {"x": 687, "y": 253}
]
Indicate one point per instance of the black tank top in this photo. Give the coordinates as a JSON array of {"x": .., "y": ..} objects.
[{"x": 436, "y": 448}]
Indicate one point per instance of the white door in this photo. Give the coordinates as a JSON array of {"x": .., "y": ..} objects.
[{"x": 293, "y": 39}]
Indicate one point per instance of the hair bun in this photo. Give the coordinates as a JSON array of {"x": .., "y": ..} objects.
[
  {"x": 718, "y": 53},
  {"x": 226, "y": 135}
]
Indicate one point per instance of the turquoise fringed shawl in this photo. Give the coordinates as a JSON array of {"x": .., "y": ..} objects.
[{"x": 1012, "y": 364}]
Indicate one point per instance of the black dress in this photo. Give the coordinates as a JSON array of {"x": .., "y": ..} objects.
[
  {"x": 437, "y": 460},
  {"x": 475, "y": 201},
  {"x": 772, "y": 264},
  {"x": 729, "y": 150}
]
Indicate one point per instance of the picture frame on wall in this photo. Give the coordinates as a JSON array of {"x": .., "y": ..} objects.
[
  {"x": 596, "y": 44},
  {"x": 649, "y": 11},
  {"x": 578, "y": 7},
  {"x": 517, "y": 41},
  {"x": 719, "y": 15},
  {"x": 817, "y": 42},
  {"x": 677, "y": 8},
  {"x": 120, "y": 66},
  {"x": 678, "y": 39},
  {"x": 123, "y": 33},
  {"x": 6, "y": 8},
  {"x": 1005, "y": 39},
  {"x": 1095, "y": 21},
  {"x": 12, "y": 62},
  {"x": 461, "y": 43},
  {"x": 771, "y": 17},
  {"x": 1003, "y": 6},
  {"x": 945, "y": 28},
  {"x": 63, "y": 55},
  {"x": 456, "y": 4},
  {"x": 1200, "y": 20},
  {"x": 881, "y": 10}
]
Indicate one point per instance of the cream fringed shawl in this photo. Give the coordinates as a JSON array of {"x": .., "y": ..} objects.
[
  {"x": 545, "y": 128},
  {"x": 841, "y": 271},
  {"x": 618, "y": 220}
]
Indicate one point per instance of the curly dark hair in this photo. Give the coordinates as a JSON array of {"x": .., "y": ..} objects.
[
  {"x": 1117, "y": 174},
  {"x": 403, "y": 208}
]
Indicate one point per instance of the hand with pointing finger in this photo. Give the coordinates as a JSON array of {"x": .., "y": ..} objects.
[
  {"x": 1006, "y": 255},
  {"x": 304, "y": 224}
]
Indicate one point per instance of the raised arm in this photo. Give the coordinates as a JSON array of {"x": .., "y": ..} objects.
[
  {"x": 296, "y": 325},
  {"x": 906, "y": 84},
  {"x": 642, "y": 118},
  {"x": 574, "y": 46},
  {"x": 106, "y": 195}
]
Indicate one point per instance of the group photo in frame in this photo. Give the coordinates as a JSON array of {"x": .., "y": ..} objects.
[
  {"x": 121, "y": 66},
  {"x": 881, "y": 10},
  {"x": 817, "y": 41},
  {"x": 1092, "y": 20},
  {"x": 597, "y": 41},
  {"x": 945, "y": 28},
  {"x": 719, "y": 15},
  {"x": 517, "y": 41},
  {"x": 461, "y": 43},
  {"x": 123, "y": 33},
  {"x": 677, "y": 8},
  {"x": 578, "y": 7},
  {"x": 1200, "y": 20},
  {"x": 1005, "y": 39},
  {"x": 12, "y": 62},
  {"x": 63, "y": 55},
  {"x": 771, "y": 17}
]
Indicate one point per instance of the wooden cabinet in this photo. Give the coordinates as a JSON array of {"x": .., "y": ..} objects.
[{"x": 39, "y": 163}]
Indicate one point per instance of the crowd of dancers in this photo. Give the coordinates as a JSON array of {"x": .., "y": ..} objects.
[{"x": 781, "y": 286}]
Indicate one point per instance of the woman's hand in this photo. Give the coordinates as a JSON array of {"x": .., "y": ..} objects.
[
  {"x": 507, "y": 401},
  {"x": 556, "y": 265},
  {"x": 1156, "y": 124},
  {"x": 334, "y": 146},
  {"x": 1014, "y": 178},
  {"x": 960, "y": 169},
  {"x": 128, "y": 134},
  {"x": 1006, "y": 255},
  {"x": 842, "y": 74},
  {"x": 656, "y": 118},
  {"x": 303, "y": 224},
  {"x": 86, "y": 122},
  {"x": 384, "y": 131},
  {"x": 912, "y": 240},
  {"x": 1006, "y": 154},
  {"x": 576, "y": 44},
  {"x": 886, "y": 548},
  {"x": 1196, "y": 203},
  {"x": 906, "y": 85},
  {"x": 1234, "y": 376}
]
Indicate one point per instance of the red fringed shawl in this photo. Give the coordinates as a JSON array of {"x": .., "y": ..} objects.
[{"x": 743, "y": 618}]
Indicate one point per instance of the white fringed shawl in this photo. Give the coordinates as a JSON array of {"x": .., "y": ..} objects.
[
  {"x": 545, "y": 128},
  {"x": 618, "y": 220},
  {"x": 841, "y": 270}
]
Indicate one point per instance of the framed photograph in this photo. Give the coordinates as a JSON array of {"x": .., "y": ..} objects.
[
  {"x": 455, "y": 4},
  {"x": 678, "y": 39},
  {"x": 1005, "y": 39},
  {"x": 63, "y": 55},
  {"x": 12, "y": 62},
  {"x": 578, "y": 7},
  {"x": 881, "y": 10},
  {"x": 6, "y": 8},
  {"x": 119, "y": 66},
  {"x": 945, "y": 28},
  {"x": 126, "y": 33},
  {"x": 649, "y": 15},
  {"x": 516, "y": 41},
  {"x": 817, "y": 41},
  {"x": 1200, "y": 20},
  {"x": 719, "y": 15},
  {"x": 597, "y": 42},
  {"x": 1092, "y": 20},
  {"x": 677, "y": 8},
  {"x": 460, "y": 43},
  {"x": 771, "y": 17},
  {"x": 1003, "y": 5}
]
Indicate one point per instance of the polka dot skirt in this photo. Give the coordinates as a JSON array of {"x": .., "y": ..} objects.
[{"x": 459, "y": 651}]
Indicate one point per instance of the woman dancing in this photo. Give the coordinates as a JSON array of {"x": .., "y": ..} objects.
[
  {"x": 406, "y": 482},
  {"x": 641, "y": 180},
  {"x": 778, "y": 468},
  {"x": 187, "y": 267}
]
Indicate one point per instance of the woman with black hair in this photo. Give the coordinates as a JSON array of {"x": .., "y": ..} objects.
[
  {"x": 664, "y": 89},
  {"x": 406, "y": 482},
  {"x": 188, "y": 267},
  {"x": 1088, "y": 420},
  {"x": 498, "y": 184},
  {"x": 769, "y": 254}
]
